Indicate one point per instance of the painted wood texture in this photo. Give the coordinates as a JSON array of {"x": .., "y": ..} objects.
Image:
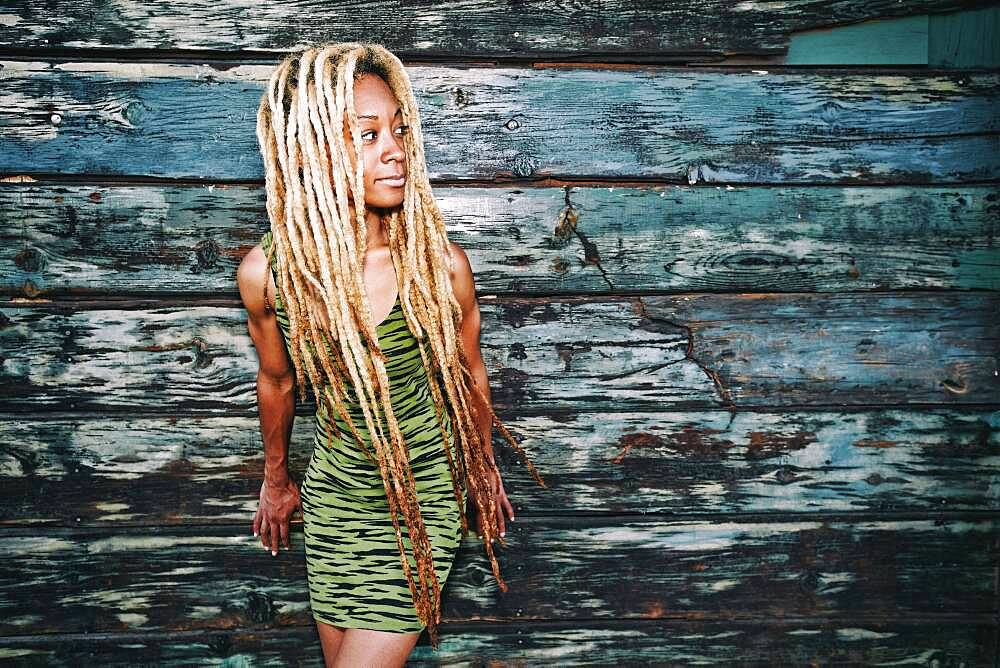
[
  {"x": 743, "y": 350},
  {"x": 898, "y": 41},
  {"x": 497, "y": 29},
  {"x": 188, "y": 240},
  {"x": 968, "y": 38},
  {"x": 766, "y": 409},
  {"x": 965, "y": 39},
  {"x": 556, "y": 568},
  {"x": 678, "y": 125},
  {"x": 125, "y": 471},
  {"x": 628, "y": 642}
]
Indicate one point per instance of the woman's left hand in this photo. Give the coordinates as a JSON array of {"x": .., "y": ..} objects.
[{"x": 503, "y": 504}]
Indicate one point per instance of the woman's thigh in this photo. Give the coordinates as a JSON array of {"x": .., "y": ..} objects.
[
  {"x": 331, "y": 638},
  {"x": 364, "y": 647}
]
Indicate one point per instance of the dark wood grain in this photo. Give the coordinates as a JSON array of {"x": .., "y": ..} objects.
[
  {"x": 701, "y": 350},
  {"x": 165, "y": 239},
  {"x": 571, "y": 568},
  {"x": 677, "y": 125},
  {"x": 854, "y": 641},
  {"x": 505, "y": 29},
  {"x": 181, "y": 470}
]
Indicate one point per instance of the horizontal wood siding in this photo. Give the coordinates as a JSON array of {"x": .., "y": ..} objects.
[
  {"x": 784, "y": 641},
  {"x": 443, "y": 29},
  {"x": 739, "y": 273},
  {"x": 557, "y": 569},
  {"x": 684, "y": 126},
  {"x": 187, "y": 240},
  {"x": 744, "y": 351},
  {"x": 122, "y": 470}
]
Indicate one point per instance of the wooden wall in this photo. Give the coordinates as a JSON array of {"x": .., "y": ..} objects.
[{"x": 740, "y": 278}]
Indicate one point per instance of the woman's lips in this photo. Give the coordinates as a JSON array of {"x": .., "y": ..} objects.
[{"x": 395, "y": 182}]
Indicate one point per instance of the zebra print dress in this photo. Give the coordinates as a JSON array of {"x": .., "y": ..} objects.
[{"x": 353, "y": 563}]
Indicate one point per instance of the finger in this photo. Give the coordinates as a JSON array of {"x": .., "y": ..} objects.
[
  {"x": 275, "y": 531},
  {"x": 284, "y": 535},
  {"x": 256, "y": 522},
  {"x": 265, "y": 532},
  {"x": 510, "y": 508}
]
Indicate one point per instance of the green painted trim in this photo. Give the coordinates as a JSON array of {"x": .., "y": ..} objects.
[
  {"x": 901, "y": 41},
  {"x": 969, "y": 38}
]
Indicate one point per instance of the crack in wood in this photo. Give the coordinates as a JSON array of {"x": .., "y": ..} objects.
[
  {"x": 642, "y": 369},
  {"x": 568, "y": 223},
  {"x": 724, "y": 394}
]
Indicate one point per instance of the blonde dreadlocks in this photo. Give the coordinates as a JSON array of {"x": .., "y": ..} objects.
[{"x": 320, "y": 253}]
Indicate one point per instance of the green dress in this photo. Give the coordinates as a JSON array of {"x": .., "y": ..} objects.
[{"x": 353, "y": 563}]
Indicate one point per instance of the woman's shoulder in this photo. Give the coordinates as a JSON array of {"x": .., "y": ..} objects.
[
  {"x": 461, "y": 268},
  {"x": 251, "y": 279},
  {"x": 463, "y": 283}
]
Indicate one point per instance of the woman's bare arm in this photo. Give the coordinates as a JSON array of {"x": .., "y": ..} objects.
[
  {"x": 463, "y": 284},
  {"x": 279, "y": 497}
]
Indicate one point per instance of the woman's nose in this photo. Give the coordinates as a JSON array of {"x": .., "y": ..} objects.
[{"x": 393, "y": 151}]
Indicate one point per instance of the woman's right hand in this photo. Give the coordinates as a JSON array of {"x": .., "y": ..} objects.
[
  {"x": 278, "y": 502},
  {"x": 502, "y": 503}
]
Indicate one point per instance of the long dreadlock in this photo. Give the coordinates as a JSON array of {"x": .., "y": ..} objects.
[{"x": 320, "y": 254}]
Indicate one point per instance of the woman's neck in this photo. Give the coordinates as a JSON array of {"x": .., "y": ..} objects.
[{"x": 375, "y": 236}]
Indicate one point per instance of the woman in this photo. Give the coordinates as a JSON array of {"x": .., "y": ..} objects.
[{"x": 376, "y": 309}]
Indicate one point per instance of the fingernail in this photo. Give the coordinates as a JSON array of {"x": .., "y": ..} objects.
[
  {"x": 254, "y": 534},
  {"x": 274, "y": 553},
  {"x": 503, "y": 533}
]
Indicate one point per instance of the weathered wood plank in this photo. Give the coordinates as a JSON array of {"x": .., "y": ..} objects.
[
  {"x": 143, "y": 239},
  {"x": 556, "y": 569},
  {"x": 800, "y": 332},
  {"x": 779, "y": 127},
  {"x": 746, "y": 350},
  {"x": 499, "y": 30},
  {"x": 143, "y": 471},
  {"x": 941, "y": 641}
]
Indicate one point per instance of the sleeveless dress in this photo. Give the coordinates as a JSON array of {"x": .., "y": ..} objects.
[{"x": 353, "y": 563}]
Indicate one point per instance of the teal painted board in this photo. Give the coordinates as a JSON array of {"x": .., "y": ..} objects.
[
  {"x": 652, "y": 641},
  {"x": 118, "y": 470},
  {"x": 571, "y": 568},
  {"x": 147, "y": 239},
  {"x": 541, "y": 28},
  {"x": 682, "y": 125},
  {"x": 899, "y": 41},
  {"x": 966, "y": 39},
  {"x": 748, "y": 350}
]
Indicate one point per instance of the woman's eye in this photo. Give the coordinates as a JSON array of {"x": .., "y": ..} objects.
[
  {"x": 403, "y": 129},
  {"x": 366, "y": 132}
]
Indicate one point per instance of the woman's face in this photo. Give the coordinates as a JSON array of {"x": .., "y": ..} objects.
[{"x": 380, "y": 122}]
